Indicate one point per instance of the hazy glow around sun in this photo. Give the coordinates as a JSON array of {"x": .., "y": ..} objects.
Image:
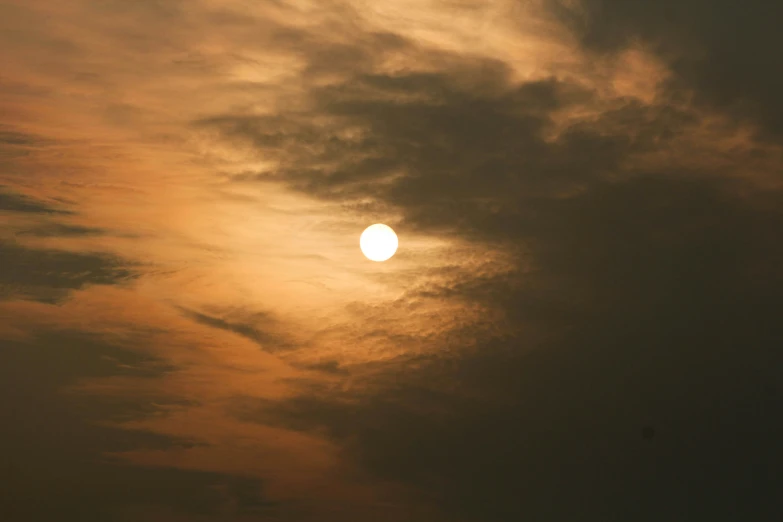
[{"x": 378, "y": 242}]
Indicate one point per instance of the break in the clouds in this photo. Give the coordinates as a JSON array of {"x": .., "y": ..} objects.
[{"x": 588, "y": 201}]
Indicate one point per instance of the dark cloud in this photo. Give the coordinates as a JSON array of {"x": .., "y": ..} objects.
[
  {"x": 14, "y": 145},
  {"x": 258, "y": 327},
  {"x": 647, "y": 295},
  {"x": 49, "y": 275},
  {"x": 53, "y": 464},
  {"x": 14, "y": 202},
  {"x": 726, "y": 50},
  {"x": 126, "y": 494},
  {"x": 9, "y": 136},
  {"x": 63, "y": 230},
  {"x": 451, "y": 153},
  {"x": 266, "y": 331},
  {"x": 658, "y": 313}
]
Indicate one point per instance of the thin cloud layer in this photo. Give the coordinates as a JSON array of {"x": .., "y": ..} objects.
[{"x": 580, "y": 323}]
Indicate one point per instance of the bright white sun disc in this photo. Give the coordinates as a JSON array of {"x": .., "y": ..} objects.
[{"x": 378, "y": 242}]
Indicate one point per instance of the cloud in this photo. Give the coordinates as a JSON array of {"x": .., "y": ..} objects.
[
  {"x": 647, "y": 307},
  {"x": 15, "y": 145},
  {"x": 724, "y": 50},
  {"x": 49, "y": 275},
  {"x": 451, "y": 153},
  {"x": 611, "y": 264},
  {"x": 258, "y": 327},
  {"x": 643, "y": 293},
  {"x": 15, "y": 202},
  {"x": 63, "y": 230},
  {"x": 67, "y": 474}
]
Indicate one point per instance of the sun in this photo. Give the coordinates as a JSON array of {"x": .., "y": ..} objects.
[{"x": 378, "y": 242}]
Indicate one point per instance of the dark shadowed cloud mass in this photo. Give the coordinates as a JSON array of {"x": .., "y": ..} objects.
[{"x": 581, "y": 322}]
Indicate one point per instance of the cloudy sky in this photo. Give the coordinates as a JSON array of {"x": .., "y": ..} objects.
[{"x": 582, "y": 322}]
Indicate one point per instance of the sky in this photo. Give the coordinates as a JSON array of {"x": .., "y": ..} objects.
[{"x": 581, "y": 323}]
